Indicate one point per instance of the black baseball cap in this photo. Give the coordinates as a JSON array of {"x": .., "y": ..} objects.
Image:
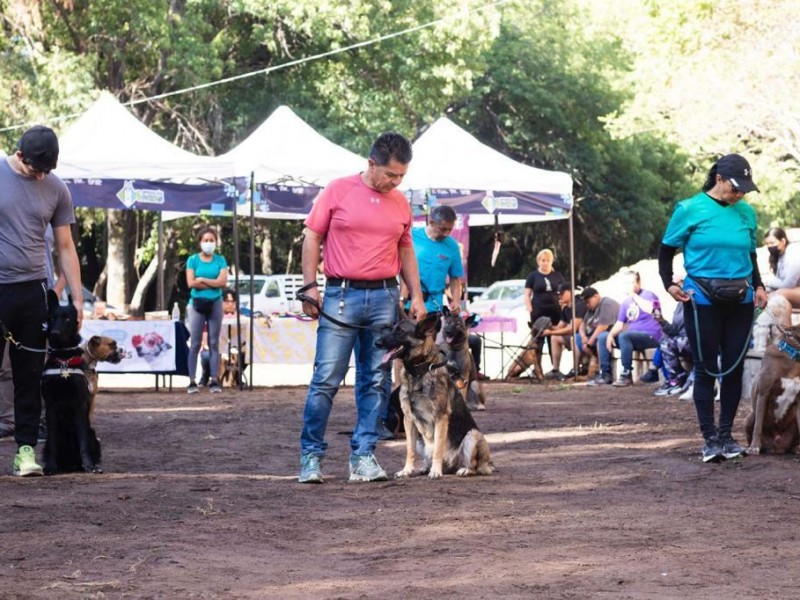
[
  {"x": 589, "y": 292},
  {"x": 564, "y": 287},
  {"x": 736, "y": 169},
  {"x": 39, "y": 147}
]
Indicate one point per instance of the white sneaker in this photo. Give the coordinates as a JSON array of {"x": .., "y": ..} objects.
[{"x": 688, "y": 394}]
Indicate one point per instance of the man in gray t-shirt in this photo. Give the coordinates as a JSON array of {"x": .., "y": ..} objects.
[
  {"x": 31, "y": 197},
  {"x": 601, "y": 314}
]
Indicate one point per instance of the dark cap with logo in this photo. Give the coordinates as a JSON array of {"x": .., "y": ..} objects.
[
  {"x": 737, "y": 170},
  {"x": 589, "y": 292},
  {"x": 564, "y": 287},
  {"x": 39, "y": 147}
]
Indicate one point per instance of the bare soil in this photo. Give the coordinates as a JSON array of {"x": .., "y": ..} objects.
[{"x": 599, "y": 493}]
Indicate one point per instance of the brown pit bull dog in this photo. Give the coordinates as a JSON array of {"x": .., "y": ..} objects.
[
  {"x": 774, "y": 425},
  {"x": 99, "y": 348}
]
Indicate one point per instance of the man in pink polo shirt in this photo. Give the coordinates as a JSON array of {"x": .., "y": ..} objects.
[{"x": 364, "y": 226}]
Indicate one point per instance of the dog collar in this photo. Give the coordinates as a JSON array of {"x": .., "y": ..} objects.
[
  {"x": 789, "y": 350},
  {"x": 62, "y": 372},
  {"x": 420, "y": 369}
]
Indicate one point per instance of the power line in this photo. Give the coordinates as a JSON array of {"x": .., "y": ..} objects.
[{"x": 267, "y": 70}]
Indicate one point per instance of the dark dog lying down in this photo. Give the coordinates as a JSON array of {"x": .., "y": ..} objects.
[
  {"x": 433, "y": 409},
  {"x": 71, "y": 442},
  {"x": 774, "y": 424}
]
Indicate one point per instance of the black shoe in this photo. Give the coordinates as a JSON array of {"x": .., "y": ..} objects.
[
  {"x": 555, "y": 374},
  {"x": 713, "y": 451},
  {"x": 650, "y": 377},
  {"x": 731, "y": 449}
]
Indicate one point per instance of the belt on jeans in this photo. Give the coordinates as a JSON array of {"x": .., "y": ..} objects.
[{"x": 364, "y": 284}]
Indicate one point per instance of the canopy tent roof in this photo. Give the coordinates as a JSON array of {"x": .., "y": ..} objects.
[
  {"x": 284, "y": 148},
  {"x": 477, "y": 180},
  {"x": 108, "y": 142}
]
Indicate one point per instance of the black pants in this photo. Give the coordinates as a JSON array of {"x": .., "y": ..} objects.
[
  {"x": 475, "y": 344},
  {"x": 724, "y": 331},
  {"x": 23, "y": 311}
]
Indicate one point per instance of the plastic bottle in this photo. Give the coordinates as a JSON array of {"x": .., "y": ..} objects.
[{"x": 176, "y": 312}]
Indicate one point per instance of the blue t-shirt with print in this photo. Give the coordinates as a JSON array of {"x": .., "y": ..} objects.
[
  {"x": 437, "y": 261},
  {"x": 209, "y": 270},
  {"x": 717, "y": 240}
]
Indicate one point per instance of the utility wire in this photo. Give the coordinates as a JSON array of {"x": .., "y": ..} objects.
[{"x": 272, "y": 69}]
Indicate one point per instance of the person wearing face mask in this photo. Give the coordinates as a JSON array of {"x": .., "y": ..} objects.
[
  {"x": 206, "y": 276},
  {"x": 784, "y": 264}
]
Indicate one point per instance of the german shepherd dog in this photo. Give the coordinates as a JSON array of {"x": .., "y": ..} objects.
[
  {"x": 455, "y": 331},
  {"x": 99, "y": 348},
  {"x": 433, "y": 408},
  {"x": 71, "y": 442}
]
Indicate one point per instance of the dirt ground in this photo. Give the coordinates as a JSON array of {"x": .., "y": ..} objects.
[{"x": 599, "y": 493}]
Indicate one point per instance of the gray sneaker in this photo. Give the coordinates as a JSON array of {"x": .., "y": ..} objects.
[
  {"x": 601, "y": 379},
  {"x": 624, "y": 380},
  {"x": 731, "y": 449},
  {"x": 366, "y": 468},
  {"x": 310, "y": 469},
  {"x": 713, "y": 451}
]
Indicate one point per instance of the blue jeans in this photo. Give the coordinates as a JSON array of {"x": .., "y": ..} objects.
[
  {"x": 627, "y": 342},
  {"x": 369, "y": 308}
]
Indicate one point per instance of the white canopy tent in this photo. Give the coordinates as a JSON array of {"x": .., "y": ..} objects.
[
  {"x": 108, "y": 142},
  {"x": 448, "y": 158},
  {"x": 286, "y": 149}
]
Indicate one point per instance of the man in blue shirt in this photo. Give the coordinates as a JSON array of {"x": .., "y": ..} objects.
[{"x": 439, "y": 258}]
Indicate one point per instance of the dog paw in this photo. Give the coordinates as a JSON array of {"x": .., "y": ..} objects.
[
  {"x": 753, "y": 450},
  {"x": 434, "y": 474},
  {"x": 465, "y": 472},
  {"x": 404, "y": 474}
]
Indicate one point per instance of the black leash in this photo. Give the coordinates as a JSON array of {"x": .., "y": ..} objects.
[
  {"x": 303, "y": 297},
  {"x": 10, "y": 338}
]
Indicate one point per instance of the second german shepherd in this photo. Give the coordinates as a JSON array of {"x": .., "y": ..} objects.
[
  {"x": 455, "y": 331},
  {"x": 433, "y": 409}
]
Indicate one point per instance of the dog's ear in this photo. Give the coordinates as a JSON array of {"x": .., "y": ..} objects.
[
  {"x": 446, "y": 311},
  {"x": 430, "y": 325},
  {"x": 52, "y": 301},
  {"x": 472, "y": 320}
]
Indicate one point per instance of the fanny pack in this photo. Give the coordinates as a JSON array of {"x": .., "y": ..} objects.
[
  {"x": 203, "y": 305},
  {"x": 723, "y": 291}
]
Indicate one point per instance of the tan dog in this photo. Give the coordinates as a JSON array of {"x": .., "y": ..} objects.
[
  {"x": 766, "y": 331},
  {"x": 529, "y": 357},
  {"x": 774, "y": 424},
  {"x": 433, "y": 409},
  {"x": 99, "y": 348}
]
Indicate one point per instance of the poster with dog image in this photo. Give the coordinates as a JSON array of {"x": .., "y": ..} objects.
[{"x": 146, "y": 346}]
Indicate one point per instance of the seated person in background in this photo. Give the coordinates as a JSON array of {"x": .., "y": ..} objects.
[
  {"x": 601, "y": 314},
  {"x": 562, "y": 332},
  {"x": 229, "y": 303},
  {"x": 784, "y": 266},
  {"x": 636, "y": 329},
  {"x": 673, "y": 347}
]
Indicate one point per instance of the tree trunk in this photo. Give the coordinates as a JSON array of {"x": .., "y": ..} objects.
[
  {"x": 266, "y": 251},
  {"x": 119, "y": 264},
  {"x": 137, "y": 306}
]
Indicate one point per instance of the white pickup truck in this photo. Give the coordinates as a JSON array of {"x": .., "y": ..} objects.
[{"x": 273, "y": 293}]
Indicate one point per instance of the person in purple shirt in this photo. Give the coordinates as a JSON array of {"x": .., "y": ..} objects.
[{"x": 635, "y": 329}]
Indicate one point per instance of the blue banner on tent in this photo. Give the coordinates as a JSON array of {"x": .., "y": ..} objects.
[
  {"x": 296, "y": 199},
  {"x": 480, "y": 202},
  {"x": 211, "y": 198}
]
